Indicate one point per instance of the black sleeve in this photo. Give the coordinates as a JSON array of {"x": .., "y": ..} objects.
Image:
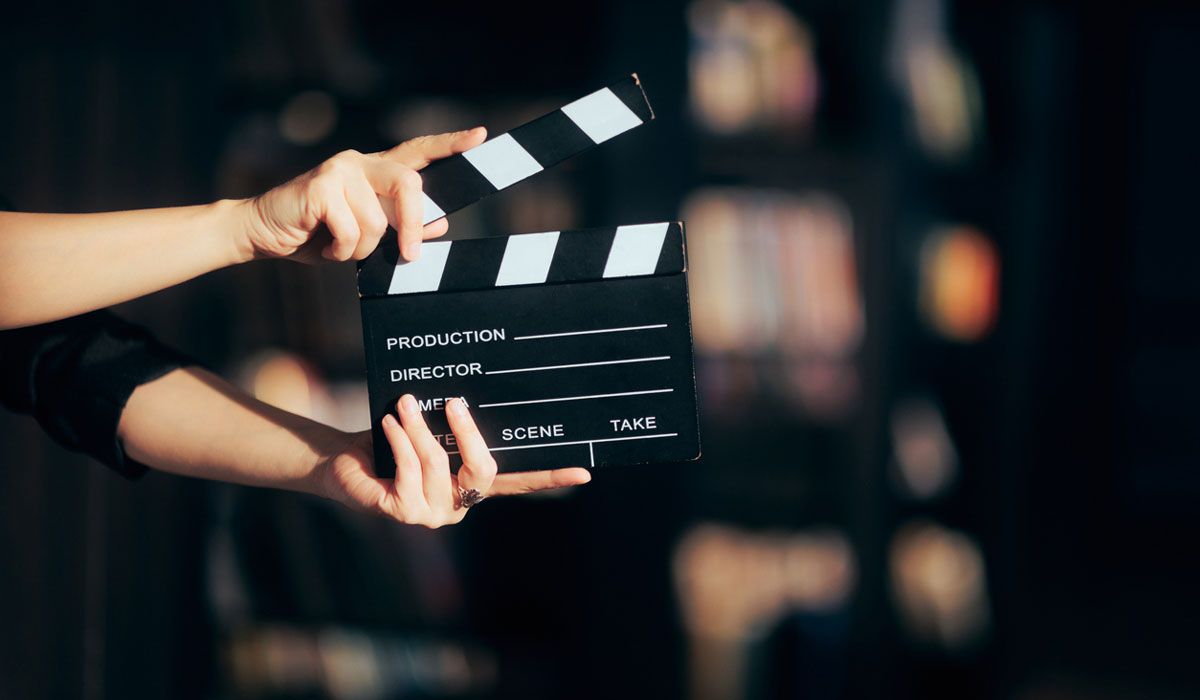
[{"x": 75, "y": 376}]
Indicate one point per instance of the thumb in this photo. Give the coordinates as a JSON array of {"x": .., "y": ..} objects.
[{"x": 423, "y": 150}]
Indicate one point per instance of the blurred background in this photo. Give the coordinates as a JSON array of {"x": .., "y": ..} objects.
[{"x": 943, "y": 261}]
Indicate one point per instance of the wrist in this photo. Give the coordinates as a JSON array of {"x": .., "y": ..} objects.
[
  {"x": 237, "y": 229},
  {"x": 325, "y": 444}
]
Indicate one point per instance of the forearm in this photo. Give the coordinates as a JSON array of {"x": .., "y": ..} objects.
[
  {"x": 54, "y": 266},
  {"x": 193, "y": 423}
]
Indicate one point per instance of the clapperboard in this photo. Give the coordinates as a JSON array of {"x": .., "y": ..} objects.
[{"x": 572, "y": 348}]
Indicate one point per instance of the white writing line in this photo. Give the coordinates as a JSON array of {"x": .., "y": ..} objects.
[
  {"x": 591, "y": 455},
  {"x": 580, "y": 364},
  {"x": 576, "y": 442},
  {"x": 576, "y": 398},
  {"x": 598, "y": 330}
]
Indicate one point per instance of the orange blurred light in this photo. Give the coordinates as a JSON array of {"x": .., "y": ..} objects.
[{"x": 960, "y": 283}]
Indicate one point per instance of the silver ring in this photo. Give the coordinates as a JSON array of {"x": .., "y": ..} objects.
[{"x": 469, "y": 497}]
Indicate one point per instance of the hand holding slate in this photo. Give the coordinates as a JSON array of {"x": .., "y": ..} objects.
[{"x": 424, "y": 492}]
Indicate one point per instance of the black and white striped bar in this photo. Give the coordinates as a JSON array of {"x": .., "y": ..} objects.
[
  {"x": 531, "y": 258},
  {"x": 453, "y": 183}
]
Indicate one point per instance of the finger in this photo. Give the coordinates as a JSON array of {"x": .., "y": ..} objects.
[
  {"x": 372, "y": 222},
  {"x": 408, "y": 486},
  {"x": 528, "y": 482},
  {"x": 435, "y": 464},
  {"x": 410, "y": 212},
  {"x": 436, "y": 229},
  {"x": 399, "y": 190},
  {"x": 478, "y": 469},
  {"x": 340, "y": 221},
  {"x": 423, "y": 150}
]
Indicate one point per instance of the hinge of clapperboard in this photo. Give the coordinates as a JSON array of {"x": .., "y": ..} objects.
[{"x": 453, "y": 183}]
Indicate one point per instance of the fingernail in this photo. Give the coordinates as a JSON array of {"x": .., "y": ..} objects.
[
  {"x": 412, "y": 252},
  {"x": 458, "y": 406},
  {"x": 389, "y": 420},
  {"x": 409, "y": 404}
]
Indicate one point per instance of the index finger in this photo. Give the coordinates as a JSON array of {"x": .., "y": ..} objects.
[
  {"x": 478, "y": 466},
  {"x": 423, "y": 150},
  {"x": 399, "y": 191}
]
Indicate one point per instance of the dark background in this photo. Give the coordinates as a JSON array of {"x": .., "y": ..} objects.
[{"x": 1058, "y": 562}]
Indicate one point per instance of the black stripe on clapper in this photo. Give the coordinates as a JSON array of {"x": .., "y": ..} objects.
[
  {"x": 551, "y": 139},
  {"x": 453, "y": 183},
  {"x": 631, "y": 93},
  {"x": 673, "y": 257},
  {"x": 375, "y": 273},
  {"x": 581, "y": 257},
  {"x": 473, "y": 263}
]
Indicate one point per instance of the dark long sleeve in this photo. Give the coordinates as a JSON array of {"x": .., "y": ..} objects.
[{"x": 76, "y": 375}]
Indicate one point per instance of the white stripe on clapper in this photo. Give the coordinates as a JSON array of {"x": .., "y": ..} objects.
[
  {"x": 502, "y": 161},
  {"x": 432, "y": 211},
  {"x": 635, "y": 250},
  {"x": 601, "y": 115},
  {"x": 424, "y": 274},
  {"x": 527, "y": 258}
]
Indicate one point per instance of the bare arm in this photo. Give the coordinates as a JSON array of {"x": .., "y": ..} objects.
[
  {"x": 57, "y": 265},
  {"x": 193, "y": 423},
  {"x": 54, "y": 266}
]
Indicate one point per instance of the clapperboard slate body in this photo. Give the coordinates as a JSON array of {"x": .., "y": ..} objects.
[{"x": 572, "y": 348}]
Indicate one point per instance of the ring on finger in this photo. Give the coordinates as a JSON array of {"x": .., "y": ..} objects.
[{"x": 469, "y": 497}]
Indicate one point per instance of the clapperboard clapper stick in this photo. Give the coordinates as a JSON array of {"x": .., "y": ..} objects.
[{"x": 572, "y": 348}]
